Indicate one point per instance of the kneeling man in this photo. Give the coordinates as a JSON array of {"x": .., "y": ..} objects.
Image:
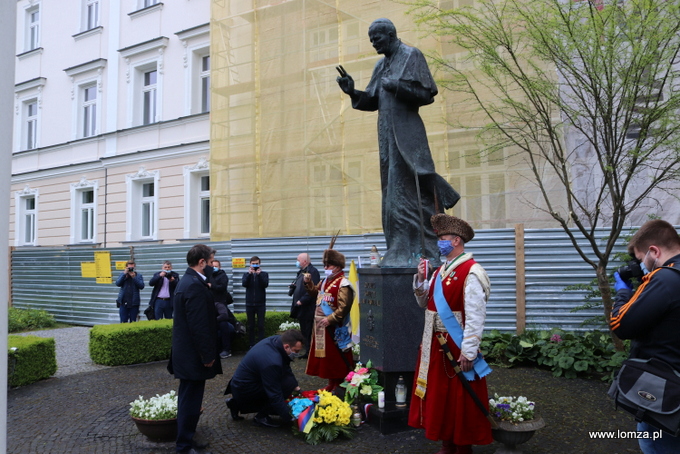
[{"x": 264, "y": 379}]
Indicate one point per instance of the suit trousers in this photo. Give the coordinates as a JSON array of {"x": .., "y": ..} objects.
[
  {"x": 251, "y": 311},
  {"x": 189, "y": 401}
]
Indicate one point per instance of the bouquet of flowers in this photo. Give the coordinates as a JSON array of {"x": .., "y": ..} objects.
[
  {"x": 155, "y": 408},
  {"x": 285, "y": 326},
  {"x": 512, "y": 409},
  {"x": 362, "y": 381},
  {"x": 321, "y": 416}
]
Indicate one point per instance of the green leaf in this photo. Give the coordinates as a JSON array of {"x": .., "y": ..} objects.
[{"x": 581, "y": 366}]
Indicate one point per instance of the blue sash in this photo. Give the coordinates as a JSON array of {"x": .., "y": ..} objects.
[
  {"x": 453, "y": 327},
  {"x": 342, "y": 334}
]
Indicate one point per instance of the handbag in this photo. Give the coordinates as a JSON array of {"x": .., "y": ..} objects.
[
  {"x": 240, "y": 328},
  {"x": 149, "y": 312},
  {"x": 649, "y": 389}
]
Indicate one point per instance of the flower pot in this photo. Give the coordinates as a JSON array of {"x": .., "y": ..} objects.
[
  {"x": 157, "y": 430},
  {"x": 513, "y": 434}
]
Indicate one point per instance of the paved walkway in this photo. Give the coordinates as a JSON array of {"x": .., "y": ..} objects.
[{"x": 87, "y": 412}]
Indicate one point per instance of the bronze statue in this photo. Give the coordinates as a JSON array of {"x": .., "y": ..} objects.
[{"x": 400, "y": 84}]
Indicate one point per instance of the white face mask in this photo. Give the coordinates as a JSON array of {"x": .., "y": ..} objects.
[{"x": 328, "y": 273}]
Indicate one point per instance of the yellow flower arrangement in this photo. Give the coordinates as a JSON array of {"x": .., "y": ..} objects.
[{"x": 331, "y": 419}]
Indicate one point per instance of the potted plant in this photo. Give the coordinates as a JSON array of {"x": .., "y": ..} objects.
[
  {"x": 156, "y": 417},
  {"x": 285, "y": 326},
  {"x": 516, "y": 421}
]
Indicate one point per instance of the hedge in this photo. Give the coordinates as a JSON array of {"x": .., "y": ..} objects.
[
  {"x": 150, "y": 340},
  {"x": 30, "y": 358}
]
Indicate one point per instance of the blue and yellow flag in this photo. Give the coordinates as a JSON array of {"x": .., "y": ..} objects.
[{"x": 354, "y": 314}]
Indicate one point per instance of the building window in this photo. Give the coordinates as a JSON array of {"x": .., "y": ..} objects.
[
  {"x": 26, "y": 202},
  {"x": 33, "y": 28},
  {"x": 148, "y": 3},
  {"x": 142, "y": 206},
  {"x": 197, "y": 200},
  {"x": 204, "y": 196},
  {"x": 89, "y": 111},
  {"x": 148, "y": 209},
  {"x": 87, "y": 215},
  {"x": 205, "y": 84},
  {"x": 31, "y": 125},
  {"x": 84, "y": 212},
  {"x": 29, "y": 220},
  {"x": 150, "y": 93},
  {"x": 91, "y": 14}
]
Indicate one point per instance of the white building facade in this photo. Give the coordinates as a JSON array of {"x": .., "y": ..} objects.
[{"x": 112, "y": 102}]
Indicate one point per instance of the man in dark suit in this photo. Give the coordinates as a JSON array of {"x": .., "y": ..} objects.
[
  {"x": 303, "y": 304},
  {"x": 256, "y": 282},
  {"x": 264, "y": 379},
  {"x": 163, "y": 283},
  {"x": 194, "y": 345}
]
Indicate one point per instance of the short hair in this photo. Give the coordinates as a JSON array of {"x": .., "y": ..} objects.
[
  {"x": 130, "y": 262},
  {"x": 254, "y": 258},
  {"x": 198, "y": 252},
  {"x": 656, "y": 232},
  {"x": 215, "y": 260},
  {"x": 292, "y": 337},
  {"x": 384, "y": 24},
  {"x": 167, "y": 262}
]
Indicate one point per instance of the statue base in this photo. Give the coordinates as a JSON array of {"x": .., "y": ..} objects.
[{"x": 391, "y": 332}]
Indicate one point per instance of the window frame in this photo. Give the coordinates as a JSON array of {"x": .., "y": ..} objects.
[
  {"x": 149, "y": 95},
  {"x": 88, "y": 7},
  {"x": 26, "y": 93},
  {"x": 140, "y": 59},
  {"x": 20, "y": 213},
  {"x": 88, "y": 118},
  {"x": 193, "y": 199},
  {"x": 77, "y": 206},
  {"x": 30, "y": 125},
  {"x": 33, "y": 28},
  {"x": 134, "y": 205}
]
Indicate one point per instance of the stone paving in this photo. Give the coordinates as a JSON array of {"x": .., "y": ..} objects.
[{"x": 87, "y": 412}]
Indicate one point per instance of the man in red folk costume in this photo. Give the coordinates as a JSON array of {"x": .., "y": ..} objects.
[
  {"x": 455, "y": 298},
  {"x": 330, "y": 354}
]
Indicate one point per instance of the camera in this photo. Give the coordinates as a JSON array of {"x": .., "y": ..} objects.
[
  {"x": 631, "y": 270},
  {"x": 130, "y": 269}
]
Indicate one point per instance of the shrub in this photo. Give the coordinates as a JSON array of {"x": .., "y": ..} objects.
[
  {"x": 29, "y": 319},
  {"x": 131, "y": 343},
  {"x": 30, "y": 358},
  {"x": 590, "y": 354},
  {"x": 150, "y": 340}
]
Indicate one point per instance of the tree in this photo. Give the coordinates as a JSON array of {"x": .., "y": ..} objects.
[{"x": 585, "y": 91}]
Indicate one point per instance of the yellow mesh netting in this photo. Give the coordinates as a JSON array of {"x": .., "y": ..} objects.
[{"x": 289, "y": 155}]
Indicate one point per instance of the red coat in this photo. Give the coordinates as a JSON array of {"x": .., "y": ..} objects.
[
  {"x": 448, "y": 412},
  {"x": 332, "y": 366}
]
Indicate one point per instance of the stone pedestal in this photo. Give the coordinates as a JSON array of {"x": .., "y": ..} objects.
[{"x": 391, "y": 331}]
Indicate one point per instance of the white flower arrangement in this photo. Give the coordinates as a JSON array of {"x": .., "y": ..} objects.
[
  {"x": 155, "y": 408},
  {"x": 356, "y": 350},
  {"x": 512, "y": 409},
  {"x": 285, "y": 326}
]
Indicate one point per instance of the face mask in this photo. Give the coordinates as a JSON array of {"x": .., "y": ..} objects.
[
  {"x": 644, "y": 268},
  {"x": 297, "y": 264},
  {"x": 328, "y": 273},
  {"x": 207, "y": 271},
  {"x": 255, "y": 265},
  {"x": 215, "y": 269},
  {"x": 445, "y": 247}
]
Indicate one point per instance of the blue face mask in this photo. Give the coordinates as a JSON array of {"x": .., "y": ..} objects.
[
  {"x": 297, "y": 264},
  {"x": 445, "y": 247},
  {"x": 216, "y": 269}
]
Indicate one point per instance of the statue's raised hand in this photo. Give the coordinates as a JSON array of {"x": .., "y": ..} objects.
[{"x": 345, "y": 81}]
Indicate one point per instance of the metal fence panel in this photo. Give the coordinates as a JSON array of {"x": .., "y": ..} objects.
[{"x": 50, "y": 278}]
